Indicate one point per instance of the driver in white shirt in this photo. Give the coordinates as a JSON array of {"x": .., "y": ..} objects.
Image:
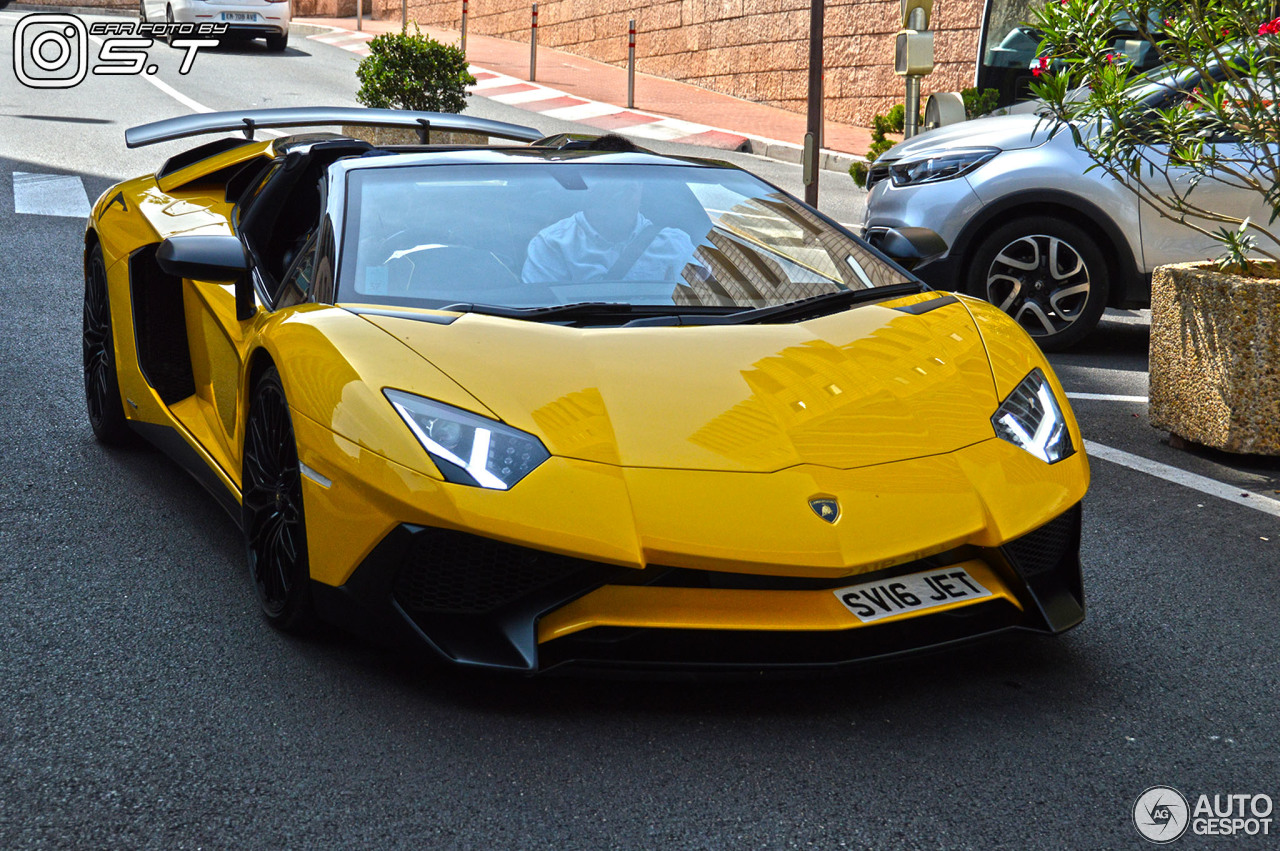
[{"x": 608, "y": 241}]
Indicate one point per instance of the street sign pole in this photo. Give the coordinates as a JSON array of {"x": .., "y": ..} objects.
[{"x": 813, "y": 136}]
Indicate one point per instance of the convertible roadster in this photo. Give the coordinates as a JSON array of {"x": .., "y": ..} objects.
[{"x": 572, "y": 404}]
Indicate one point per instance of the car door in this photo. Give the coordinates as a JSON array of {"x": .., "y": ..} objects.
[
  {"x": 1225, "y": 191},
  {"x": 1166, "y": 240},
  {"x": 278, "y": 225},
  {"x": 218, "y": 343}
]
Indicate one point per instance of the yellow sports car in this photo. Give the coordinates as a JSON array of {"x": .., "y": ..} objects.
[{"x": 574, "y": 404}]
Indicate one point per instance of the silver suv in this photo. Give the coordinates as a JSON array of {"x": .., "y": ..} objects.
[{"x": 1030, "y": 227}]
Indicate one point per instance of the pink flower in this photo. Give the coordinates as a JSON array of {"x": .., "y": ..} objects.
[
  {"x": 1042, "y": 65},
  {"x": 1111, "y": 57},
  {"x": 1270, "y": 27}
]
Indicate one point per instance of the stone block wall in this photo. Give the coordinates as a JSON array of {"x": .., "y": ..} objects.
[
  {"x": 754, "y": 49},
  {"x": 326, "y": 8},
  {"x": 89, "y": 4}
]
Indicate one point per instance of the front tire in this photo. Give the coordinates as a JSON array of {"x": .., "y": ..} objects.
[
  {"x": 101, "y": 380},
  {"x": 1049, "y": 275},
  {"x": 273, "y": 520}
]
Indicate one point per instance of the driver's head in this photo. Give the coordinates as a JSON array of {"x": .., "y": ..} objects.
[{"x": 612, "y": 207}]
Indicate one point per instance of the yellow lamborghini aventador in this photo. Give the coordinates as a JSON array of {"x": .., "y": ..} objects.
[{"x": 529, "y": 407}]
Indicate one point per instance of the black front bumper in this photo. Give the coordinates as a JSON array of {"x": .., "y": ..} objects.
[{"x": 476, "y": 602}]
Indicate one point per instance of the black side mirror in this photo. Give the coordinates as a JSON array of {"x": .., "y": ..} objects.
[
  {"x": 218, "y": 258},
  {"x": 911, "y": 248}
]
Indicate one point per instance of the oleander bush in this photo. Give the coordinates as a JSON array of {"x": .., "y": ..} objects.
[{"x": 1212, "y": 109}]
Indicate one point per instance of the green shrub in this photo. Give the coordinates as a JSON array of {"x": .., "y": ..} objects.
[
  {"x": 881, "y": 126},
  {"x": 978, "y": 104},
  {"x": 404, "y": 71}
]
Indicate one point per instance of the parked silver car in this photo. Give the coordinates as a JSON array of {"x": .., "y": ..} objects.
[{"x": 1030, "y": 227}]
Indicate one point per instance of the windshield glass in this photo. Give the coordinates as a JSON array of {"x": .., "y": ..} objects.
[{"x": 547, "y": 234}]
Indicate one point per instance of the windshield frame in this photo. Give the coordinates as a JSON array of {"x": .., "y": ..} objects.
[{"x": 345, "y": 204}]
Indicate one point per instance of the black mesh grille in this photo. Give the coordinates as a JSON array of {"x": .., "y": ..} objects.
[
  {"x": 875, "y": 174},
  {"x": 1044, "y": 549},
  {"x": 455, "y": 573}
]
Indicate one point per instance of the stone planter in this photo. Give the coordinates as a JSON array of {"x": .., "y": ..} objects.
[
  {"x": 1215, "y": 358},
  {"x": 402, "y": 136}
]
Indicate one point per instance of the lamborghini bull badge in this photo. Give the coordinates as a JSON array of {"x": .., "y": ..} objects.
[{"x": 827, "y": 509}]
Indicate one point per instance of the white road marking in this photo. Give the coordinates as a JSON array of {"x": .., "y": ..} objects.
[
  {"x": 50, "y": 195},
  {"x": 193, "y": 105},
  {"x": 1107, "y": 397},
  {"x": 189, "y": 103},
  {"x": 1178, "y": 476}
]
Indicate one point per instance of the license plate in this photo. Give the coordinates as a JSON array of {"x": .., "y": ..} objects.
[
  {"x": 871, "y": 601},
  {"x": 239, "y": 17}
]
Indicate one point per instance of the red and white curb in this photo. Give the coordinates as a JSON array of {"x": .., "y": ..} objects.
[
  {"x": 554, "y": 103},
  {"x": 605, "y": 116}
]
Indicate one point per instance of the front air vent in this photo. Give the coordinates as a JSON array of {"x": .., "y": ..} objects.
[
  {"x": 1045, "y": 549},
  {"x": 449, "y": 572}
]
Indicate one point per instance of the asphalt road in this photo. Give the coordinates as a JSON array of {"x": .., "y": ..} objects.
[{"x": 145, "y": 704}]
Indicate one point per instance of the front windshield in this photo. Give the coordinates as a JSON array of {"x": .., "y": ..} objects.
[{"x": 554, "y": 233}]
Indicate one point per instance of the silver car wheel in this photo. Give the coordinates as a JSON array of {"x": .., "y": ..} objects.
[{"x": 1041, "y": 281}]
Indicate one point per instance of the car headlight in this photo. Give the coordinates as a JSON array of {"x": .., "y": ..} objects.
[
  {"x": 939, "y": 166},
  {"x": 1031, "y": 419},
  {"x": 469, "y": 449}
]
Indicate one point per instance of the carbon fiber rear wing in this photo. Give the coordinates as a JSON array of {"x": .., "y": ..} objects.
[{"x": 249, "y": 120}]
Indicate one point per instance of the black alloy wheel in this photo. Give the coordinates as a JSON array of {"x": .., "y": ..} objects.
[
  {"x": 272, "y": 517},
  {"x": 1048, "y": 274},
  {"x": 101, "y": 383}
]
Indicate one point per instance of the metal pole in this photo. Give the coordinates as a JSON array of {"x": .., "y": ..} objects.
[
  {"x": 464, "y": 26},
  {"x": 359, "y": 15},
  {"x": 631, "y": 67},
  {"x": 533, "y": 46},
  {"x": 910, "y": 121},
  {"x": 404, "y": 16},
  {"x": 813, "y": 136}
]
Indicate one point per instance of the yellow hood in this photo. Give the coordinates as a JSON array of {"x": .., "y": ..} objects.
[{"x": 865, "y": 386}]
